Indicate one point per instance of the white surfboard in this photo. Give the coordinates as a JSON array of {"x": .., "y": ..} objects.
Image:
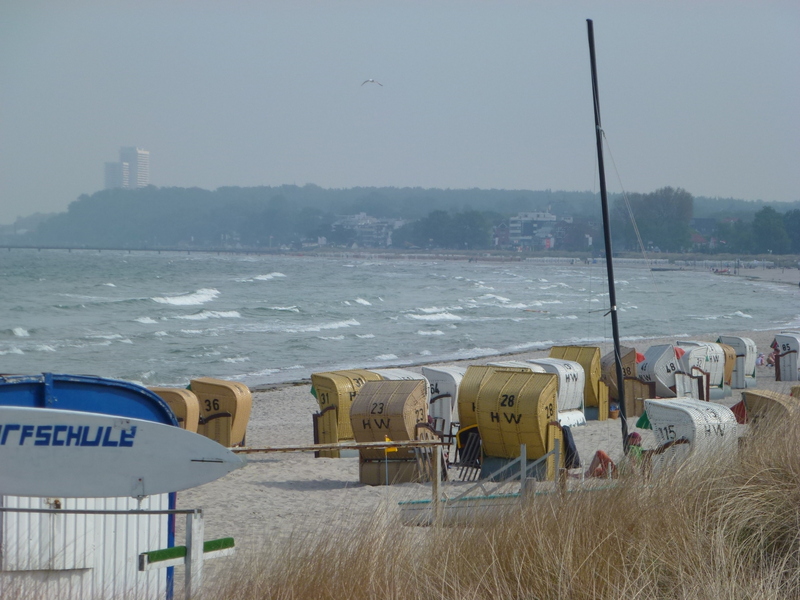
[{"x": 73, "y": 454}]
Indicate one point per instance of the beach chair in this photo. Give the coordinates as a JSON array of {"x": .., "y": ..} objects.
[
  {"x": 608, "y": 368},
  {"x": 769, "y": 405},
  {"x": 705, "y": 425},
  {"x": 224, "y": 405},
  {"x": 595, "y": 391},
  {"x": 389, "y": 409},
  {"x": 183, "y": 403},
  {"x": 635, "y": 394},
  {"x": 339, "y": 389},
  {"x": 786, "y": 346},
  {"x": 468, "y": 457},
  {"x": 425, "y": 455},
  {"x": 326, "y": 431},
  {"x": 744, "y": 369}
]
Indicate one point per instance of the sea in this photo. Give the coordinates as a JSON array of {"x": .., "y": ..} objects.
[{"x": 166, "y": 318}]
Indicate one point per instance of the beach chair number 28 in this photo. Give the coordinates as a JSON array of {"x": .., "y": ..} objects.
[{"x": 507, "y": 400}]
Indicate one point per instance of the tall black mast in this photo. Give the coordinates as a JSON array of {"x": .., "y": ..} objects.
[{"x": 612, "y": 295}]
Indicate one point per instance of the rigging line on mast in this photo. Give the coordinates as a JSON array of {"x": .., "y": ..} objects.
[{"x": 647, "y": 259}]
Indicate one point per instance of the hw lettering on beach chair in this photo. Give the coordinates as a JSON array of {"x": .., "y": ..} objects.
[{"x": 389, "y": 410}]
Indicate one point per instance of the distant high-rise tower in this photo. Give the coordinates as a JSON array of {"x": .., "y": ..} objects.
[
  {"x": 138, "y": 164},
  {"x": 131, "y": 172},
  {"x": 117, "y": 175}
]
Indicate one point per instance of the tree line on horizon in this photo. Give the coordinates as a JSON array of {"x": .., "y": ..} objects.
[{"x": 289, "y": 216}]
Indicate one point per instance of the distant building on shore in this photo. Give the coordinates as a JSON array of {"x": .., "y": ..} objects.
[{"x": 131, "y": 172}]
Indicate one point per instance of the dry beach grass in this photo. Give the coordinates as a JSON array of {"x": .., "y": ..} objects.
[{"x": 712, "y": 529}]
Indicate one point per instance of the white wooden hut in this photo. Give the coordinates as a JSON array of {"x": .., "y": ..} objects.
[{"x": 50, "y": 555}]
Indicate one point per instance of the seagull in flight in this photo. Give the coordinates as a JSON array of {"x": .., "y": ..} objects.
[{"x": 373, "y": 81}]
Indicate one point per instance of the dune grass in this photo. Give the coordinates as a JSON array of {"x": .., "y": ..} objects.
[{"x": 711, "y": 529}]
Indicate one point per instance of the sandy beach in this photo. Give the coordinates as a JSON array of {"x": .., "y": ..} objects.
[{"x": 281, "y": 494}]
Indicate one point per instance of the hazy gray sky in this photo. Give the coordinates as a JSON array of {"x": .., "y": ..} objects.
[{"x": 703, "y": 95}]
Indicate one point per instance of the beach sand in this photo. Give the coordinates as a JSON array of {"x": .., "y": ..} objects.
[{"x": 279, "y": 495}]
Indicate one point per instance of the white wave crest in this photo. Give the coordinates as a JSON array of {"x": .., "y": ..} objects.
[
  {"x": 11, "y": 351},
  {"x": 211, "y": 314},
  {"x": 199, "y": 297},
  {"x": 268, "y": 277},
  {"x": 236, "y": 359},
  {"x": 285, "y": 308},
  {"x": 531, "y": 346},
  {"x": 109, "y": 284},
  {"x": 494, "y": 297},
  {"x": 161, "y": 334},
  {"x": 332, "y": 337},
  {"x": 435, "y": 332},
  {"x": 441, "y": 316},
  {"x": 435, "y": 309},
  {"x": 20, "y": 332},
  {"x": 366, "y": 336},
  {"x": 364, "y": 302},
  {"x": 45, "y": 348},
  {"x": 386, "y": 357},
  {"x": 324, "y": 326},
  {"x": 146, "y": 320}
]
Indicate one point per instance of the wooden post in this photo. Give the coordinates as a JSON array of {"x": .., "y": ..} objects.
[
  {"x": 437, "y": 478},
  {"x": 523, "y": 470},
  {"x": 194, "y": 552}
]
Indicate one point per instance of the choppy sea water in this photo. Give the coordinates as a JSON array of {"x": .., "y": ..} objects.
[{"x": 162, "y": 319}]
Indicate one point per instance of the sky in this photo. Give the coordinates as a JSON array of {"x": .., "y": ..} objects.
[{"x": 701, "y": 94}]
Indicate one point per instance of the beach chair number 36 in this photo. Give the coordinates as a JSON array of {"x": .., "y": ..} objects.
[{"x": 212, "y": 404}]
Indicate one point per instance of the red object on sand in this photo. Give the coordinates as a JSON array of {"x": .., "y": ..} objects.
[{"x": 740, "y": 412}]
